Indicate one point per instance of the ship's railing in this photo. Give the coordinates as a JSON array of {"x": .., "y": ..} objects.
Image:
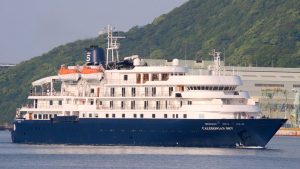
[
  {"x": 141, "y": 80},
  {"x": 106, "y": 94},
  {"x": 127, "y": 94},
  {"x": 139, "y": 94},
  {"x": 138, "y": 107},
  {"x": 44, "y": 94},
  {"x": 120, "y": 81},
  {"x": 31, "y": 106}
]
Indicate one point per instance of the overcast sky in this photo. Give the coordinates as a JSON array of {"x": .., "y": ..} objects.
[{"x": 29, "y": 28}]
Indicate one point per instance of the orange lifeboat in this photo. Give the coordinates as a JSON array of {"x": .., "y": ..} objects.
[
  {"x": 64, "y": 70},
  {"x": 89, "y": 70}
]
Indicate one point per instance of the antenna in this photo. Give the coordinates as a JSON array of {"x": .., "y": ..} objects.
[
  {"x": 112, "y": 45},
  {"x": 217, "y": 62},
  {"x": 224, "y": 58},
  {"x": 224, "y": 68},
  {"x": 185, "y": 55}
]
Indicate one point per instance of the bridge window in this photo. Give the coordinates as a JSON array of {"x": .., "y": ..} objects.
[
  {"x": 164, "y": 77},
  {"x": 138, "y": 78},
  {"x": 145, "y": 78},
  {"x": 154, "y": 77}
]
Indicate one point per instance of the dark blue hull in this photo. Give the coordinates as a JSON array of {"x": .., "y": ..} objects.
[{"x": 148, "y": 132}]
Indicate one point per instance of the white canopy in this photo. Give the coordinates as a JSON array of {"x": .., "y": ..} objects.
[{"x": 44, "y": 80}]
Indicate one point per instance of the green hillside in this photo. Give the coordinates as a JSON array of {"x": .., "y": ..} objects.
[{"x": 253, "y": 32}]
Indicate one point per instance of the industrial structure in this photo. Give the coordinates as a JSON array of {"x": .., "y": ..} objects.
[{"x": 4, "y": 66}]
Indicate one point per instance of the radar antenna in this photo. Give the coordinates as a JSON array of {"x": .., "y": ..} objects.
[
  {"x": 112, "y": 46},
  {"x": 216, "y": 63}
]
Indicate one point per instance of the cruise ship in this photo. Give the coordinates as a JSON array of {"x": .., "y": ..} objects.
[{"x": 108, "y": 101}]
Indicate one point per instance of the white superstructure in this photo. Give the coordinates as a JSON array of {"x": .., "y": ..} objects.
[{"x": 138, "y": 91}]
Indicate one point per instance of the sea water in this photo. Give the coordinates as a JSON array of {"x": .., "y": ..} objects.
[{"x": 281, "y": 152}]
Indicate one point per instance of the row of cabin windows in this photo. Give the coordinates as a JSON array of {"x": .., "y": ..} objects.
[
  {"x": 154, "y": 77},
  {"x": 153, "y": 91},
  {"x": 43, "y": 116},
  {"x": 211, "y": 87},
  {"x": 133, "y": 104},
  {"x": 146, "y": 104},
  {"x": 112, "y": 92},
  {"x": 90, "y": 115},
  {"x": 133, "y": 92}
]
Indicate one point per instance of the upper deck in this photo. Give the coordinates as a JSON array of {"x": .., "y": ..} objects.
[{"x": 121, "y": 89}]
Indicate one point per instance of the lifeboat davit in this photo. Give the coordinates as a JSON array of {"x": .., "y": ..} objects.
[
  {"x": 90, "y": 70},
  {"x": 65, "y": 70}
]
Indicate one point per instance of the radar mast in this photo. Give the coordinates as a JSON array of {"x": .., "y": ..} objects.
[
  {"x": 216, "y": 62},
  {"x": 112, "y": 53}
]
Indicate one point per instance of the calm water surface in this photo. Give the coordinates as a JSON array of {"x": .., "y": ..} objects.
[{"x": 281, "y": 152}]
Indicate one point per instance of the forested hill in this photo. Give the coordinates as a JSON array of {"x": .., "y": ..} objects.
[{"x": 252, "y": 32}]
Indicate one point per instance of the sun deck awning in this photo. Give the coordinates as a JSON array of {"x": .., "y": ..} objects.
[{"x": 45, "y": 80}]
